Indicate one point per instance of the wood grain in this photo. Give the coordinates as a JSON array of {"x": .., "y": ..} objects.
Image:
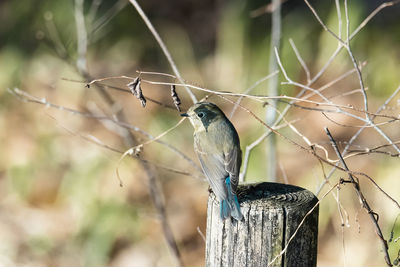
[{"x": 272, "y": 213}]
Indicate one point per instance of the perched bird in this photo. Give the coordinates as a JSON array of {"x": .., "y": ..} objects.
[{"x": 217, "y": 146}]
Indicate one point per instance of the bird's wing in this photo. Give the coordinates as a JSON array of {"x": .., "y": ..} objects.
[
  {"x": 214, "y": 169},
  {"x": 232, "y": 161}
]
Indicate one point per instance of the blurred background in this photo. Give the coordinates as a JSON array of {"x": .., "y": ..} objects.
[{"x": 60, "y": 199}]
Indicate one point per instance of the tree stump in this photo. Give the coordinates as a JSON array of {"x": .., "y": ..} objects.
[{"x": 272, "y": 212}]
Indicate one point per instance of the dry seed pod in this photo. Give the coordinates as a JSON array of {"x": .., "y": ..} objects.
[{"x": 175, "y": 97}]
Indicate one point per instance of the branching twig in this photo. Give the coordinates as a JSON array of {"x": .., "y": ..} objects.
[
  {"x": 363, "y": 200},
  {"x": 322, "y": 23},
  {"x": 26, "y": 97},
  {"x": 312, "y": 151},
  {"x": 94, "y": 140},
  {"x": 250, "y": 89},
  {"x": 163, "y": 47},
  {"x": 356, "y": 67},
  {"x": 155, "y": 191},
  {"x": 339, "y": 109},
  {"x": 366, "y": 116},
  {"x": 300, "y": 59},
  {"x": 355, "y": 136}
]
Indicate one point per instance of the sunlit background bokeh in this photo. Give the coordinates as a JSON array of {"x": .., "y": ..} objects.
[{"x": 60, "y": 199}]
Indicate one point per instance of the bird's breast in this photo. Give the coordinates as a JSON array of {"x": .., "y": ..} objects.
[{"x": 210, "y": 141}]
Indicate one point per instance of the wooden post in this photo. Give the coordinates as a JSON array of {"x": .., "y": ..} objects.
[{"x": 272, "y": 213}]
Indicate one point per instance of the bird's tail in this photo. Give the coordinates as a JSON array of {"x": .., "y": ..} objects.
[{"x": 230, "y": 206}]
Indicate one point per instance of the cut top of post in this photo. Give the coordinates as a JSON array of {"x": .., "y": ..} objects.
[{"x": 277, "y": 217}]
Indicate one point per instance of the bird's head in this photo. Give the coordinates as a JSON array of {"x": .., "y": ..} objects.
[{"x": 202, "y": 114}]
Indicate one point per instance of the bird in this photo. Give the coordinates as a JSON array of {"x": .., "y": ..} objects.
[{"x": 217, "y": 145}]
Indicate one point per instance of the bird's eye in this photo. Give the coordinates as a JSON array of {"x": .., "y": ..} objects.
[{"x": 200, "y": 114}]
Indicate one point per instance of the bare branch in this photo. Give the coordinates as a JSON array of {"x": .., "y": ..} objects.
[
  {"x": 250, "y": 89},
  {"x": 163, "y": 47},
  {"x": 82, "y": 41},
  {"x": 356, "y": 67},
  {"x": 322, "y": 23},
  {"x": 363, "y": 200},
  {"x": 355, "y": 136},
  {"x": 300, "y": 59},
  {"x": 26, "y": 97},
  {"x": 372, "y": 15},
  {"x": 92, "y": 139},
  {"x": 312, "y": 151}
]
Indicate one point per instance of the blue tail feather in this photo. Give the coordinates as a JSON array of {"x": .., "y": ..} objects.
[{"x": 230, "y": 205}]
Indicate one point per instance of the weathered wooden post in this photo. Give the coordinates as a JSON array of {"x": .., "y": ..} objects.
[{"x": 272, "y": 213}]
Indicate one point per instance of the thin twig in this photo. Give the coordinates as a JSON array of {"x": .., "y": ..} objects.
[
  {"x": 339, "y": 109},
  {"x": 322, "y": 23},
  {"x": 201, "y": 234},
  {"x": 260, "y": 98},
  {"x": 390, "y": 117},
  {"x": 300, "y": 224},
  {"x": 346, "y": 44},
  {"x": 342, "y": 225},
  {"x": 312, "y": 151},
  {"x": 155, "y": 191},
  {"x": 356, "y": 67},
  {"x": 26, "y": 97},
  {"x": 361, "y": 26},
  {"x": 372, "y": 15},
  {"x": 124, "y": 90},
  {"x": 250, "y": 147},
  {"x": 333, "y": 82},
  {"x": 392, "y": 231},
  {"x": 94, "y": 140},
  {"x": 163, "y": 47},
  {"x": 248, "y": 90},
  {"x": 355, "y": 136},
  {"x": 300, "y": 59},
  {"x": 362, "y": 199}
]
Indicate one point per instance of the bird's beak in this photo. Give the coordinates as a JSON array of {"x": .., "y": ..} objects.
[{"x": 184, "y": 115}]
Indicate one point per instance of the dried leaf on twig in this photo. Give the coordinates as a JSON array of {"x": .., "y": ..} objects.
[
  {"x": 175, "y": 97},
  {"x": 132, "y": 86},
  {"x": 137, "y": 150},
  {"x": 136, "y": 90}
]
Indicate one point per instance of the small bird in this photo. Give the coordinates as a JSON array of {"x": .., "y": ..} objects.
[{"x": 217, "y": 146}]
